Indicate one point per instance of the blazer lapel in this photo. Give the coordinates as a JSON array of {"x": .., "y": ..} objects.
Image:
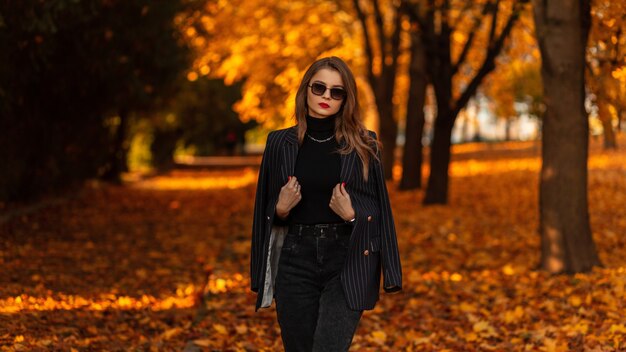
[
  {"x": 347, "y": 167},
  {"x": 290, "y": 153}
]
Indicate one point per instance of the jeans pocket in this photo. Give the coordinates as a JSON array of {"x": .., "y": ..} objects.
[
  {"x": 289, "y": 243},
  {"x": 343, "y": 242},
  {"x": 290, "y": 246}
]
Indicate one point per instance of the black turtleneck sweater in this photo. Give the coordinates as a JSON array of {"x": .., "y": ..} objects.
[{"x": 317, "y": 170}]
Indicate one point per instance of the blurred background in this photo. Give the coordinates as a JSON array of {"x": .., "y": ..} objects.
[
  {"x": 98, "y": 88},
  {"x": 131, "y": 132}
]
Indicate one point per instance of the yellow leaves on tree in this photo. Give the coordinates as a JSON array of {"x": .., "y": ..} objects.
[{"x": 270, "y": 43}]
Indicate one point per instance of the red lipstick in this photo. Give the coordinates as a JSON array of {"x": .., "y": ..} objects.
[{"x": 324, "y": 105}]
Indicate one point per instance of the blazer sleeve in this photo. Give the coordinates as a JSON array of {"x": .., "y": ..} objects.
[
  {"x": 392, "y": 269},
  {"x": 258, "y": 221}
]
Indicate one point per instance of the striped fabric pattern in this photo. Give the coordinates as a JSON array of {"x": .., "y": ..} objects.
[{"x": 373, "y": 242}]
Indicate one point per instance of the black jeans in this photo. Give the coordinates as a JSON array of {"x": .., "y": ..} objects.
[{"x": 310, "y": 303}]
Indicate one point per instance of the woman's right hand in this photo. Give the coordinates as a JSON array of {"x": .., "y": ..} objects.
[{"x": 288, "y": 198}]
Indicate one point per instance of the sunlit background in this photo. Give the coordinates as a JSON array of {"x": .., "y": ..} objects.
[{"x": 131, "y": 135}]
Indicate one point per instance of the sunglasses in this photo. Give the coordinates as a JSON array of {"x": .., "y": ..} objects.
[{"x": 335, "y": 93}]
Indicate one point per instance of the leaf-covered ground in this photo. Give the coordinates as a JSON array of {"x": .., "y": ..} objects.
[{"x": 161, "y": 264}]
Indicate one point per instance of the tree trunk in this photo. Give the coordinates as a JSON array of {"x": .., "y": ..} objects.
[
  {"x": 604, "y": 114},
  {"x": 412, "y": 156},
  {"x": 507, "y": 128},
  {"x": 383, "y": 82},
  {"x": 464, "y": 126},
  {"x": 163, "y": 147},
  {"x": 566, "y": 244},
  {"x": 440, "y": 74},
  {"x": 387, "y": 134},
  {"x": 437, "y": 32},
  {"x": 437, "y": 191},
  {"x": 477, "y": 136},
  {"x": 118, "y": 157}
]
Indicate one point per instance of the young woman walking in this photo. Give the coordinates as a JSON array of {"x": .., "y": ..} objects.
[{"x": 323, "y": 228}]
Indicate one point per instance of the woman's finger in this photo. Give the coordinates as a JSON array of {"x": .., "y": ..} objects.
[
  {"x": 342, "y": 189},
  {"x": 341, "y": 192}
]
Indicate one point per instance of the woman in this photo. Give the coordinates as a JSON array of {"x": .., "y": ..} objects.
[{"x": 322, "y": 223}]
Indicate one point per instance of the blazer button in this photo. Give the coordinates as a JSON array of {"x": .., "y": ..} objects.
[
  {"x": 366, "y": 252},
  {"x": 369, "y": 218},
  {"x": 268, "y": 217}
]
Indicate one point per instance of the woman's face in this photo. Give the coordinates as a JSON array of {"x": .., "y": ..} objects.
[{"x": 322, "y": 106}]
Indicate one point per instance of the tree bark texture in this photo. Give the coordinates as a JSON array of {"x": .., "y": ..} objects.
[{"x": 566, "y": 244}]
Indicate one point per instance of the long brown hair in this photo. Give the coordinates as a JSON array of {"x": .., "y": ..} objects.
[{"x": 348, "y": 124}]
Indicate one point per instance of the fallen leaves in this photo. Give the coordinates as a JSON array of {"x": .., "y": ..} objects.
[
  {"x": 378, "y": 337},
  {"x": 168, "y": 334},
  {"x": 163, "y": 264}
]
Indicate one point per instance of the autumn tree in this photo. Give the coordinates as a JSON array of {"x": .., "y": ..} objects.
[
  {"x": 268, "y": 50},
  {"x": 382, "y": 48},
  {"x": 439, "y": 22},
  {"x": 562, "y": 31},
  {"x": 198, "y": 119},
  {"x": 605, "y": 60},
  {"x": 517, "y": 83},
  {"x": 412, "y": 155},
  {"x": 153, "y": 62},
  {"x": 71, "y": 73}
]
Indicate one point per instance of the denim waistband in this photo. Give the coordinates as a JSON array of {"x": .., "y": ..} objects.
[{"x": 321, "y": 230}]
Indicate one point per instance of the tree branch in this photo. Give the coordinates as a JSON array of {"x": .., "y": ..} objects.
[
  {"x": 412, "y": 10},
  {"x": 395, "y": 40},
  {"x": 489, "y": 63},
  {"x": 468, "y": 5},
  {"x": 494, "y": 21},
  {"x": 616, "y": 57},
  {"x": 470, "y": 39},
  {"x": 380, "y": 27},
  {"x": 368, "y": 45}
]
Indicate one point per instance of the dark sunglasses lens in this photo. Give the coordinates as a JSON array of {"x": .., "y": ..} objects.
[
  {"x": 337, "y": 93},
  {"x": 318, "y": 89}
]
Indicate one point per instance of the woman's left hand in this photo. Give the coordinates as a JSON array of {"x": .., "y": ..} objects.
[{"x": 340, "y": 202}]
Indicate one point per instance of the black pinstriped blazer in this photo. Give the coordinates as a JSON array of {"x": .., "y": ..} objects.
[{"x": 373, "y": 240}]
